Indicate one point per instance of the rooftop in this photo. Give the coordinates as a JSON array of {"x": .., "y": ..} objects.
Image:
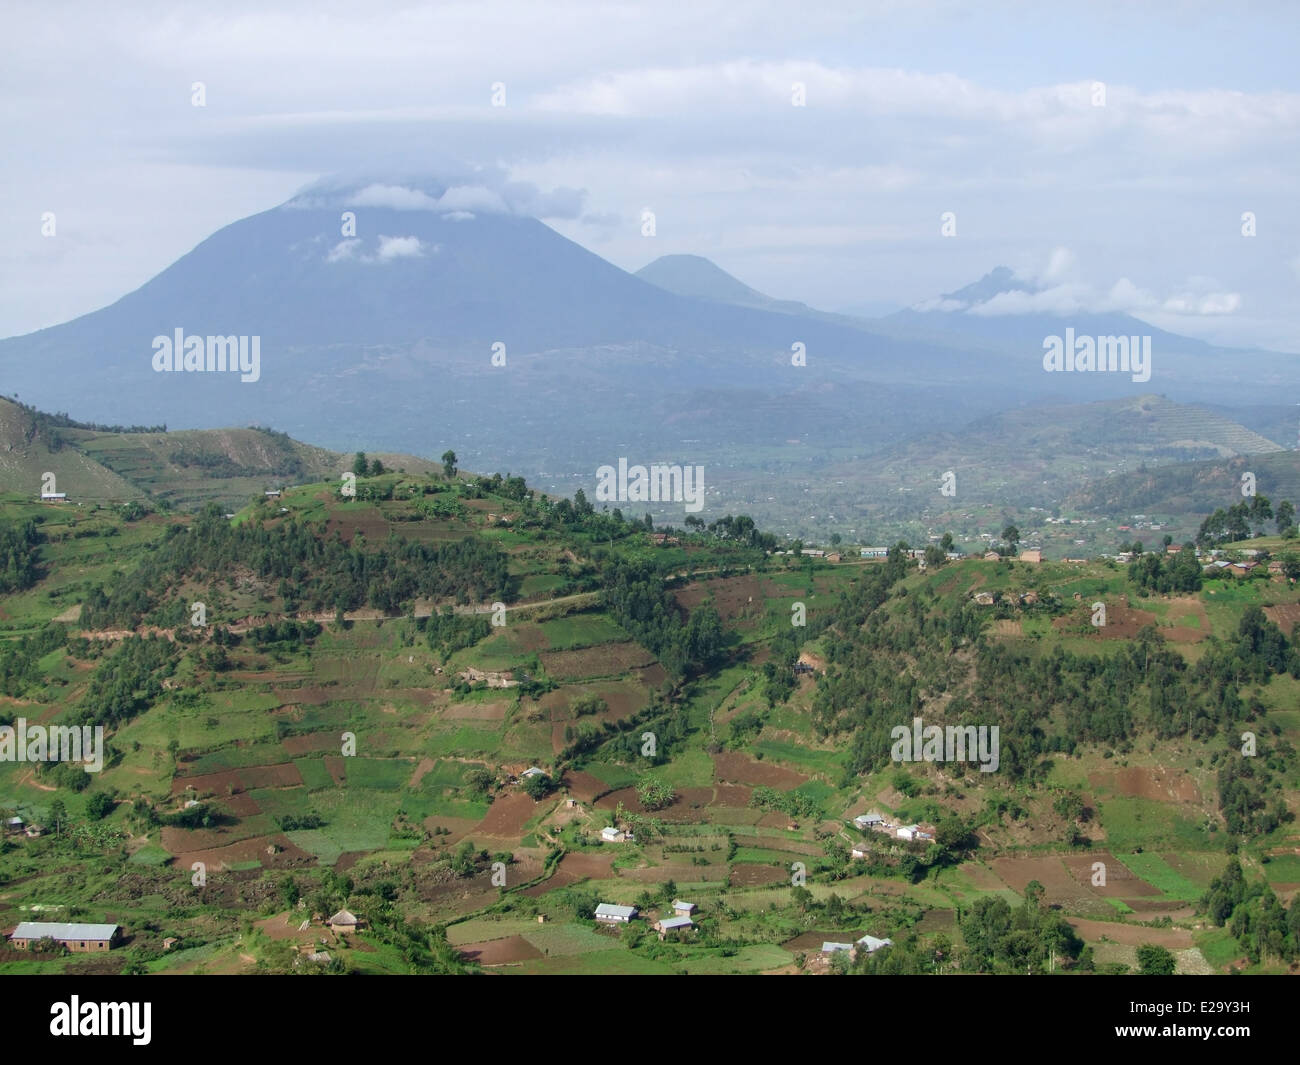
[{"x": 57, "y": 930}]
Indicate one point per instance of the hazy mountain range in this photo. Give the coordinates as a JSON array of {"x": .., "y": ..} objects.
[{"x": 384, "y": 337}]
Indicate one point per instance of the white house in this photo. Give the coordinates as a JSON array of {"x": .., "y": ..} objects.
[
  {"x": 870, "y": 944},
  {"x": 860, "y": 850},
  {"x": 611, "y": 835},
  {"x": 612, "y": 914},
  {"x": 533, "y": 771},
  {"x": 874, "y": 552},
  {"x": 870, "y": 819},
  {"x": 908, "y": 832},
  {"x": 53, "y": 497}
]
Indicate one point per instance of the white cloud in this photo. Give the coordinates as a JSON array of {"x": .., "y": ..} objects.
[
  {"x": 400, "y": 248},
  {"x": 397, "y": 197},
  {"x": 473, "y": 198},
  {"x": 344, "y": 249},
  {"x": 1076, "y": 297}
]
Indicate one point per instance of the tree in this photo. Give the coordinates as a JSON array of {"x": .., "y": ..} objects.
[
  {"x": 359, "y": 464},
  {"x": 1285, "y": 516},
  {"x": 1012, "y": 536},
  {"x": 945, "y": 542},
  {"x": 536, "y": 786},
  {"x": 58, "y": 816},
  {"x": 99, "y": 806},
  {"x": 480, "y": 780},
  {"x": 376, "y": 468},
  {"x": 704, "y": 635},
  {"x": 1261, "y": 510},
  {"x": 835, "y": 539},
  {"x": 1154, "y": 960},
  {"x": 449, "y": 464}
]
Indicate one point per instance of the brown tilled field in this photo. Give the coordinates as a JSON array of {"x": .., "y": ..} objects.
[
  {"x": 1122, "y": 621},
  {"x": 1120, "y": 881},
  {"x": 742, "y": 769},
  {"x": 492, "y": 711},
  {"x": 246, "y": 850},
  {"x": 1141, "y": 782},
  {"x": 1131, "y": 935},
  {"x": 583, "y": 786},
  {"x": 687, "y": 806},
  {"x": 744, "y": 874},
  {"x": 734, "y": 598},
  {"x": 508, "y": 815},
  {"x": 297, "y": 746},
  {"x": 285, "y": 775},
  {"x": 459, "y": 827},
  {"x": 735, "y": 796},
  {"x": 1285, "y": 617},
  {"x": 572, "y": 869},
  {"x": 500, "y": 951},
  {"x": 605, "y": 660}
]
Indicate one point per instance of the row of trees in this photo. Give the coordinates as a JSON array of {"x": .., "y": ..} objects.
[
  {"x": 1235, "y": 522},
  {"x": 1165, "y": 575},
  {"x": 1252, "y": 913}
]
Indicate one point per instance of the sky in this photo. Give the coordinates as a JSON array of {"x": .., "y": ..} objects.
[{"x": 1105, "y": 151}]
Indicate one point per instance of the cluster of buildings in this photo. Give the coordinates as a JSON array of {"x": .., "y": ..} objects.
[
  {"x": 16, "y": 826},
  {"x": 874, "y": 821},
  {"x": 865, "y": 945},
  {"x": 683, "y": 916}
]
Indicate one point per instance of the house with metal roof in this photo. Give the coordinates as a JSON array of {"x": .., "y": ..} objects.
[
  {"x": 672, "y": 924},
  {"x": 683, "y": 908},
  {"x": 834, "y": 948},
  {"x": 870, "y": 944},
  {"x": 79, "y": 938},
  {"x": 610, "y": 913}
]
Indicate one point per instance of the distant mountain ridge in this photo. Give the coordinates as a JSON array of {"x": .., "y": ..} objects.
[{"x": 413, "y": 319}]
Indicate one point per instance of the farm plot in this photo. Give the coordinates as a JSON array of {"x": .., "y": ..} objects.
[{"x": 605, "y": 660}]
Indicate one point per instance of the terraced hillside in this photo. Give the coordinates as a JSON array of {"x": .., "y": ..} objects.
[{"x": 427, "y": 703}]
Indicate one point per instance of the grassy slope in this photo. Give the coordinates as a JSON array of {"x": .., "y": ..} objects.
[{"x": 380, "y": 681}]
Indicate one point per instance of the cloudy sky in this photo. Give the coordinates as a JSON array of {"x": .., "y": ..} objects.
[{"x": 1106, "y": 150}]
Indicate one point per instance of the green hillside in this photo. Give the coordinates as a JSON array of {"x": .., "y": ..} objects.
[
  {"x": 351, "y": 722},
  {"x": 184, "y": 469}
]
